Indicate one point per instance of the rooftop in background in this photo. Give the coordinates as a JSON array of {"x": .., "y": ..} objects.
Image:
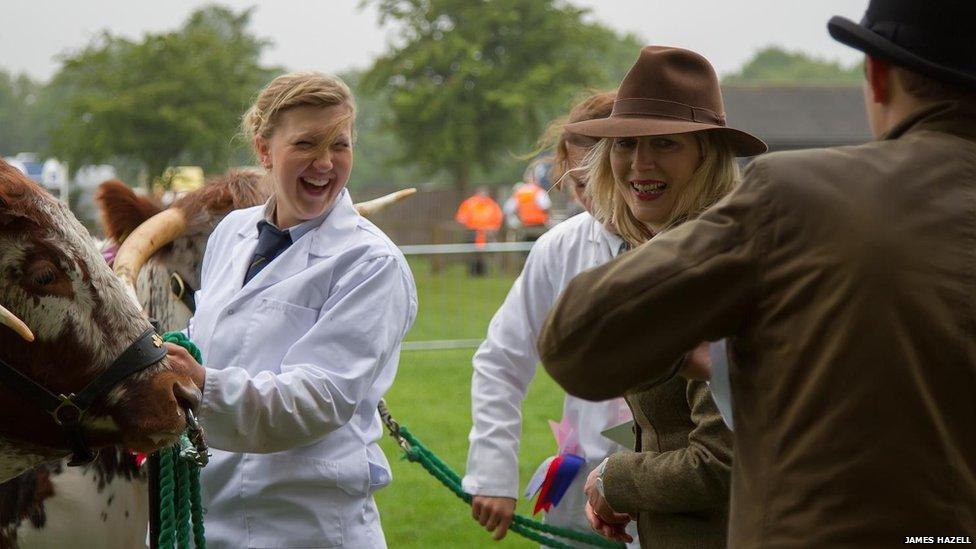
[{"x": 798, "y": 116}]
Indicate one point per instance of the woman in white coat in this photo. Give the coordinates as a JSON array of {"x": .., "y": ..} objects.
[
  {"x": 505, "y": 363},
  {"x": 302, "y": 308}
]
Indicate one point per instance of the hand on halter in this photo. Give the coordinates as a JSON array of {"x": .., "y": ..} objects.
[
  {"x": 494, "y": 513},
  {"x": 181, "y": 361}
]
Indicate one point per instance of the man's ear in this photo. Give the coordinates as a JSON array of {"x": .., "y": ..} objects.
[{"x": 878, "y": 74}]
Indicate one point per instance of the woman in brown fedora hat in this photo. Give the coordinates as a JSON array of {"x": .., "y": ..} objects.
[{"x": 664, "y": 156}]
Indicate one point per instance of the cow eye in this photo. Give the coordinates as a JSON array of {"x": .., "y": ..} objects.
[{"x": 42, "y": 273}]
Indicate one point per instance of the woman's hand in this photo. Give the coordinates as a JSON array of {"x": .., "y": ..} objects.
[
  {"x": 603, "y": 519},
  {"x": 698, "y": 363},
  {"x": 616, "y": 532},
  {"x": 181, "y": 361},
  {"x": 494, "y": 513}
]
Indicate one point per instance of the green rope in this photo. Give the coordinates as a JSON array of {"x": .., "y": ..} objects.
[
  {"x": 196, "y": 508},
  {"x": 167, "y": 507},
  {"x": 521, "y": 525},
  {"x": 183, "y": 504},
  {"x": 180, "y": 503}
]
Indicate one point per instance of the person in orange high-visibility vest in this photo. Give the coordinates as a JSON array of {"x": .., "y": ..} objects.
[
  {"x": 527, "y": 209},
  {"x": 532, "y": 204},
  {"x": 479, "y": 213}
]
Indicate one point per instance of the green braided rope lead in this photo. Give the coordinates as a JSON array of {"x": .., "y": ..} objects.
[
  {"x": 180, "y": 502},
  {"x": 425, "y": 459},
  {"x": 167, "y": 508},
  {"x": 196, "y": 508},
  {"x": 449, "y": 476},
  {"x": 523, "y": 526},
  {"x": 423, "y": 454},
  {"x": 455, "y": 481},
  {"x": 182, "y": 505}
]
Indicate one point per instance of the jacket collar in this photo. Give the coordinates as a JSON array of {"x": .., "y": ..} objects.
[{"x": 951, "y": 117}]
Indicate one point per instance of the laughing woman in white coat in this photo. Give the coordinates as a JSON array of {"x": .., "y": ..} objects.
[
  {"x": 505, "y": 363},
  {"x": 302, "y": 308}
]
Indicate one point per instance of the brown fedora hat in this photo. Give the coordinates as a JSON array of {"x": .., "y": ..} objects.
[{"x": 669, "y": 90}]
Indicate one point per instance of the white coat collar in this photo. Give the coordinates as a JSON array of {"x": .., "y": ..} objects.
[
  {"x": 330, "y": 238},
  {"x": 600, "y": 235}
]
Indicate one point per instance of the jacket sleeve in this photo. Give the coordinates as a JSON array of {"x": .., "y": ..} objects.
[
  {"x": 637, "y": 315},
  {"x": 694, "y": 478},
  {"x": 324, "y": 376},
  {"x": 504, "y": 365}
]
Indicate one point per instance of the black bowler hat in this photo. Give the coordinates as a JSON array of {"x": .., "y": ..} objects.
[{"x": 936, "y": 38}]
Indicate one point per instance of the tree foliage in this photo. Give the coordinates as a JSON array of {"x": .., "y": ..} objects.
[
  {"x": 473, "y": 80},
  {"x": 775, "y": 65},
  {"x": 20, "y": 129},
  {"x": 171, "y": 97},
  {"x": 374, "y": 145}
]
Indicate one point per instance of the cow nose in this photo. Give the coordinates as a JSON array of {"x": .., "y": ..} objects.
[{"x": 188, "y": 397}]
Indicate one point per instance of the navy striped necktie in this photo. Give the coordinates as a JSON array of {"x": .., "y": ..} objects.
[{"x": 271, "y": 242}]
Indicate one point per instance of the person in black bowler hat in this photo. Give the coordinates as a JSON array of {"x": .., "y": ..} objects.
[
  {"x": 844, "y": 282},
  {"x": 300, "y": 315}
]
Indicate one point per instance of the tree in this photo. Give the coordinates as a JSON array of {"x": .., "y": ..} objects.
[
  {"x": 20, "y": 130},
  {"x": 171, "y": 97},
  {"x": 375, "y": 146},
  {"x": 776, "y": 65},
  {"x": 475, "y": 79}
]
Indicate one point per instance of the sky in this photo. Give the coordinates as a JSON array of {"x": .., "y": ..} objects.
[{"x": 335, "y": 35}]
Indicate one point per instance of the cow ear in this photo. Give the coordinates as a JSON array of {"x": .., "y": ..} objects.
[
  {"x": 122, "y": 210},
  {"x": 11, "y": 189}
]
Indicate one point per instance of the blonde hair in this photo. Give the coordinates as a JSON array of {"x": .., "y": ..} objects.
[
  {"x": 295, "y": 90},
  {"x": 717, "y": 174}
]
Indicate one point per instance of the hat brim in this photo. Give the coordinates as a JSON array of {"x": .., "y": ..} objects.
[
  {"x": 743, "y": 143},
  {"x": 863, "y": 39}
]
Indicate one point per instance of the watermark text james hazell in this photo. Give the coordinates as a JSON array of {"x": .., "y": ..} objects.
[{"x": 938, "y": 539}]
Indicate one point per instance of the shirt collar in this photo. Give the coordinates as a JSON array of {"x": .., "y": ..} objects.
[
  {"x": 952, "y": 117},
  {"x": 600, "y": 234},
  {"x": 304, "y": 227}
]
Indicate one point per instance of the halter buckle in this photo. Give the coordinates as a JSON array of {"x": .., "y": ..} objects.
[
  {"x": 177, "y": 286},
  {"x": 67, "y": 413}
]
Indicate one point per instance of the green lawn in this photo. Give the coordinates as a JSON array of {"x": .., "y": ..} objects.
[
  {"x": 432, "y": 396},
  {"x": 454, "y": 305}
]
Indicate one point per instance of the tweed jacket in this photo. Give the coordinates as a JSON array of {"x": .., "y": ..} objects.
[
  {"x": 845, "y": 280},
  {"x": 677, "y": 482}
]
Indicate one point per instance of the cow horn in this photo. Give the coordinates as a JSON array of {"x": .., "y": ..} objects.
[
  {"x": 9, "y": 319},
  {"x": 147, "y": 239},
  {"x": 370, "y": 207}
]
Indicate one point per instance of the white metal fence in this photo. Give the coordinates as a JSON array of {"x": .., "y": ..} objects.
[{"x": 459, "y": 287}]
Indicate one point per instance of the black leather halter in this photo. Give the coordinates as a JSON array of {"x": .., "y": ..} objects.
[{"x": 69, "y": 410}]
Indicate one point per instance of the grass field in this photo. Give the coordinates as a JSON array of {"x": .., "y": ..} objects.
[{"x": 432, "y": 397}]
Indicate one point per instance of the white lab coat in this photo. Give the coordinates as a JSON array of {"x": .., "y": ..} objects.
[
  {"x": 505, "y": 364},
  {"x": 296, "y": 362}
]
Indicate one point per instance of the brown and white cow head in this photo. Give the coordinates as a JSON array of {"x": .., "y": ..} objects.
[{"x": 81, "y": 318}]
